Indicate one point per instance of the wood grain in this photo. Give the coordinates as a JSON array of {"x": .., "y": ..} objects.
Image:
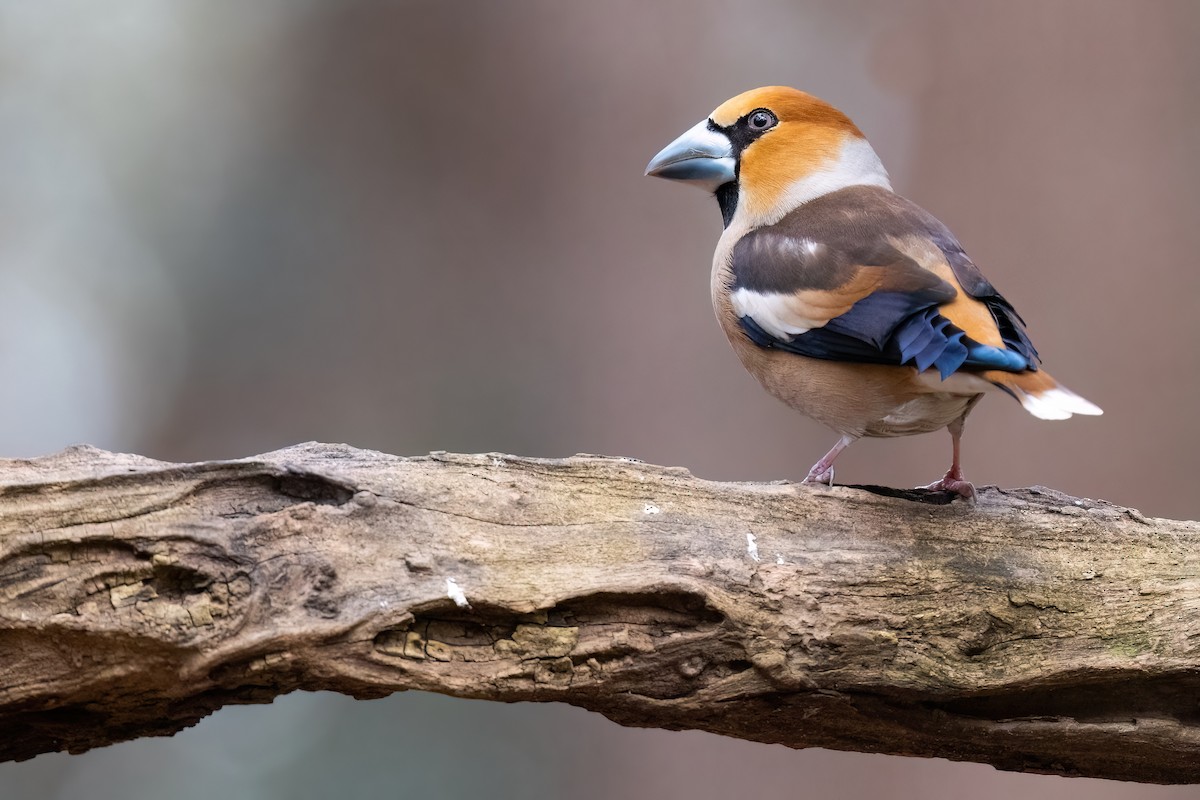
[{"x": 1032, "y": 631}]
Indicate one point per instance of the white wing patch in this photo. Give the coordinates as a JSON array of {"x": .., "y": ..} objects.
[
  {"x": 774, "y": 312},
  {"x": 804, "y": 249}
]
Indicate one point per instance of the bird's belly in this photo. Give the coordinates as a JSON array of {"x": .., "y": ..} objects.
[
  {"x": 855, "y": 399},
  {"x": 858, "y": 399},
  {"x": 929, "y": 412}
]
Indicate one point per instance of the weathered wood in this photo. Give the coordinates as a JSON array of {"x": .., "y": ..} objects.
[{"x": 1032, "y": 631}]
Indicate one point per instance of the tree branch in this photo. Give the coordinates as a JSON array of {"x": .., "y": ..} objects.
[{"x": 1033, "y": 631}]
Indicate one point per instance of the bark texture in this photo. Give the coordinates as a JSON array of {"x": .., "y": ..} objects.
[{"x": 1033, "y": 631}]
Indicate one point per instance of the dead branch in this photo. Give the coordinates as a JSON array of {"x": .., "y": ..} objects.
[{"x": 1033, "y": 631}]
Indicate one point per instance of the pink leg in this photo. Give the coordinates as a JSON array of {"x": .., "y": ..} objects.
[
  {"x": 953, "y": 480},
  {"x": 822, "y": 471}
]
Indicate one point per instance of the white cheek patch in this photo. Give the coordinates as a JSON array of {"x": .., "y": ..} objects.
[{"x": 774, "y": 312}]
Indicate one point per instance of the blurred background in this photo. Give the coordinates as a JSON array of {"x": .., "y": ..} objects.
[{"x": 230, "y": 227}]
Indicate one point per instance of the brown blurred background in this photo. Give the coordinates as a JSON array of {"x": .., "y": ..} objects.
[{"x": 226, "y": 228}]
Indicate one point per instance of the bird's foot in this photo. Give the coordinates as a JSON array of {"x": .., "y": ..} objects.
[
  {"x": 954, "y": 482},
  {"x": 820, "y": 473}
]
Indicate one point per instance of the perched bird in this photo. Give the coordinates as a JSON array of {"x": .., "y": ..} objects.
[{"x": 849, "y": 303}]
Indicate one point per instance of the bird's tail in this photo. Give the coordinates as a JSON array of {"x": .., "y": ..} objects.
[{"x": 1040, "y": 394}]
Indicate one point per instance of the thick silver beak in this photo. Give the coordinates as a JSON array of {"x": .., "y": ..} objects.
[{"x": 701, "y": 156}]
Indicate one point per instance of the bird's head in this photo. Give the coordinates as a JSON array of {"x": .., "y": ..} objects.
[{"x": 766, "y": 151}]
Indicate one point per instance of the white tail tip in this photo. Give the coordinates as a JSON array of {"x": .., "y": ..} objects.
[{"x": 1058, "y": 403}]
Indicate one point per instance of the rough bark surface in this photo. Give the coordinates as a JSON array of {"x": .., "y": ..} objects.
[{"x": 1033, "y": 631}]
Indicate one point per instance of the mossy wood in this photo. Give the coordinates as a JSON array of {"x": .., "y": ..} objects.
[{"x": 1032, "y": 631}]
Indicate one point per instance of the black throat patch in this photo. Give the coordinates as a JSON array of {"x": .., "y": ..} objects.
[{"x": 727, "y": 199}]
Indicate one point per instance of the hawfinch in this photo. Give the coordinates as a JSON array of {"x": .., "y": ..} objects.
[{"x": 849, "y": 303}]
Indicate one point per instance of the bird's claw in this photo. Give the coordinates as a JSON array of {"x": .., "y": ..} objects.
[
  {"x": 816, "y": 475},
  {"x": 954, "y": 483}
]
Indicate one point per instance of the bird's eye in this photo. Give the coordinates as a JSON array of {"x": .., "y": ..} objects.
[{"x": 761, "y": 120}]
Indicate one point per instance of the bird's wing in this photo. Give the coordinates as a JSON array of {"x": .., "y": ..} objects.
[
  {"x": 1004, "y": 319},
  {"x": 863, "y": 275}
]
